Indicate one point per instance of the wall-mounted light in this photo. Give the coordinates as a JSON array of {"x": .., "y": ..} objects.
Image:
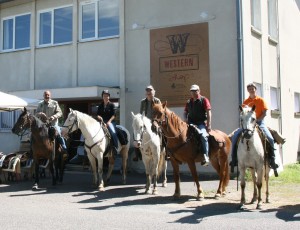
[{"x": 136, "y": 26}]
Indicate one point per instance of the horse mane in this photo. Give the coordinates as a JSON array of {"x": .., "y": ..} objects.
[
  {"x": 174, "y": 119},
  {"x": 85, "y": 116},
  {"x": 39, "y": 123}
]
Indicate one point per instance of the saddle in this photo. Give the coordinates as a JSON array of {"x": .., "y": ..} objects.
[
  {"x": 122, "y": 136},
  {"x": 216, "y": 137}
]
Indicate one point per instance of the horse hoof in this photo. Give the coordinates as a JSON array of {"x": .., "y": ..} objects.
[
  {"x": 164, "y": 185},
  {"x": 258, "y": 207},
  {"x": 217, "y": 196},
  {"x": 242, "y": 207},
  {"x": 35, "y": 187},
  {"x": 147, "y": 192},
  {"x": 224, "y": 193},
  {"x": 253, "y": 201},
  {"x": 268, "y": 201},
  {"x": 154, "y": 192},
  {"x": 101, "y": 189}
]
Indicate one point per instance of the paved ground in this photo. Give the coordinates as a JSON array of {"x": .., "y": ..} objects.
[{"x": 76, "y": 205}]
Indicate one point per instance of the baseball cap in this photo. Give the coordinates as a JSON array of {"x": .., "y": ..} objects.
[
  {"x": 149, "y": 87},
  {"x": 194, "y": 88},
  {"x": 251, "y": 85}
]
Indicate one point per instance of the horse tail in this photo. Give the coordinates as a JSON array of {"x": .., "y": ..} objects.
[
  {"x": 227, "y": 150},
  {"x": 161, "y": 163}
]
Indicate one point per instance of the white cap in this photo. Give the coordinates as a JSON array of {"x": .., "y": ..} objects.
[{"x": 194, "y": 87}]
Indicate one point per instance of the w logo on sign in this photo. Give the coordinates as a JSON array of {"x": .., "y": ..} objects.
[{"x": 178, "y": 42}]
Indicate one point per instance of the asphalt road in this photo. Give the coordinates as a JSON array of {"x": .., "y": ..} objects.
[{"x": 76, "y": 205}]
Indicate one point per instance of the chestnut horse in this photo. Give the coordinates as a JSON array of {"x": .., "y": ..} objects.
[
  {"x": 183, "y": 148},
  {"x": 42, "y": 145}
]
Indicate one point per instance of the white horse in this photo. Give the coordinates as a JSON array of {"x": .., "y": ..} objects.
[
  {"x": 251, "y": 155},
  {"x": 96, "y": 144},
  {"x": 152, "y": 153}
]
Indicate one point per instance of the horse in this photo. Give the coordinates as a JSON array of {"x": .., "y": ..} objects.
[
  {"x": 97, "y": 145},
  {"x": 153, "y": 154},
  {"x": 250, "y": 154},
  {"x": 43, "y": 145},
  {"x": 183, "y": 148}
]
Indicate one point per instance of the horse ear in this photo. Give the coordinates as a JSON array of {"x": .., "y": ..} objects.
[
  {"x": 253, "y": 108},
  {"x": 143, "y": 114},
  {"x": 240, "y": 108},
  {"x": 164, "y": 104},
  {"x": 25, "y": 110},
  {"x": 132, "y": 114},
  {"x": 71, "y": 110}
]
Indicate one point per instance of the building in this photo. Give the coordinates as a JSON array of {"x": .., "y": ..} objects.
[{"x": 76, "y": 48}]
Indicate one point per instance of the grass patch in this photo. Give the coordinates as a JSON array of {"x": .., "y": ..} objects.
[{"x": 290, "y": 174}]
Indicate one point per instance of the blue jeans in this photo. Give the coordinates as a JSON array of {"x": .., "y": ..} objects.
[
  {"x": 61, "y": 140},
  {"x": 113, "y": 133},
  {"x": 204, "y": 138}
]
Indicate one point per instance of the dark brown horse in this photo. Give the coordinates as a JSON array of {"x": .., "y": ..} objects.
[
  {"x": 183, "y": 148},
  {"x": 43, "y": 144}
]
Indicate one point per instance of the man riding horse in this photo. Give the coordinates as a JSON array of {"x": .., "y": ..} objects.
[{"x": 50, "y": 109}]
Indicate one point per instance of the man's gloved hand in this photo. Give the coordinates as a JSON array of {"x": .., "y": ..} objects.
[{"x": 51, "y": 118}]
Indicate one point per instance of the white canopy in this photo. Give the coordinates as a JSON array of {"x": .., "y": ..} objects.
[{"x": 9, "y": 102}]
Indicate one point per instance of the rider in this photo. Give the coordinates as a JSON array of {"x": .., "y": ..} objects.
[
  {"x": 198, "y": 112},
  {"x": 106, "y": 112},
  {"x": 50, "y": 108},
  {"x": 261, "y": 112},
  {"x": 146, "y": 108}
]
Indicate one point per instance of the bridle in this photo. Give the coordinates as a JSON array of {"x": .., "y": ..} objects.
[
  {"x": 166, "y": 122},
  {"x": 246, "y": 132},
  {"x": 70, "y": 127},
  {"x": 26, "y": 121}
]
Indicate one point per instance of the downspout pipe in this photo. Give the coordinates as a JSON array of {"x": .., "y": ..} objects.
[{"x": 240, "y": 50}]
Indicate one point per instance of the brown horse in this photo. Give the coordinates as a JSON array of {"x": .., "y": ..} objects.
[
  {"x": 183, "y": 148},
  {"x": 43, "y": 143}
]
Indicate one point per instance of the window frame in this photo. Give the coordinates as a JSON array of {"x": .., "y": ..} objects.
[
  {"x": 96, "y": 22},
  {"x": 273, "y": 19},
  {"x": 256, "y": 14},
  {"x": 38, "y": 34},
  {"x": 13, "y": 17},
  {"x": 297, "y": 100},
  {"x": 12, "y": 116}
]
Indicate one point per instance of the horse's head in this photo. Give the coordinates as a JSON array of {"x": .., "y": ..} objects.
[
  {"x": 23, "y": 123},
  {"x": 248, "y": 121},
  {"x": 159, "y": 112},
  {"x": 71, "y": 123},
  {"x": 138, "y": 128}
]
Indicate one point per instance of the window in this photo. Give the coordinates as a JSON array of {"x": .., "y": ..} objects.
[
  {"x": 297, "y": 103},
  {"x": 55, "y": 26},
  {"x": 256, "y": 14},
  {"x": 272, "y": 18},
  {"x": 258, "y": 89},
  {"x": 8, "y": 119},
  {"x": 16, "y": 32},
  {"x": 99, "y": 19},
  {"x": 274, "y": 98}
]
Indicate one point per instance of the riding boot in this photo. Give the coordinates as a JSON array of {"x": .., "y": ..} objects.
[{"x": 205, "y": 161}]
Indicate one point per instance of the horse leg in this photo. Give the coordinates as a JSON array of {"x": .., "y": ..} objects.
[
  {"x": 259, "y": 186},
  {"x": 176, "y": 176},
  {"x": 164, "y": 176},
  {"x": 36, "y": 176},
  {"x": 154, "y": 192},
  {"x": 254, "y": 180},
  {"x": 192, "y": 166},
  {"x": 100, "y": 173},
  {"x": 52, "y": 172},
  {"x": 94, "y": 170},
  {"x": 110, "y": 169},
  {"x": 124, "y": 153},
  {"x": 267, "y": 183},
  {"x": 148, "y": 183},
  {"x": 243, "y": 185}
]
